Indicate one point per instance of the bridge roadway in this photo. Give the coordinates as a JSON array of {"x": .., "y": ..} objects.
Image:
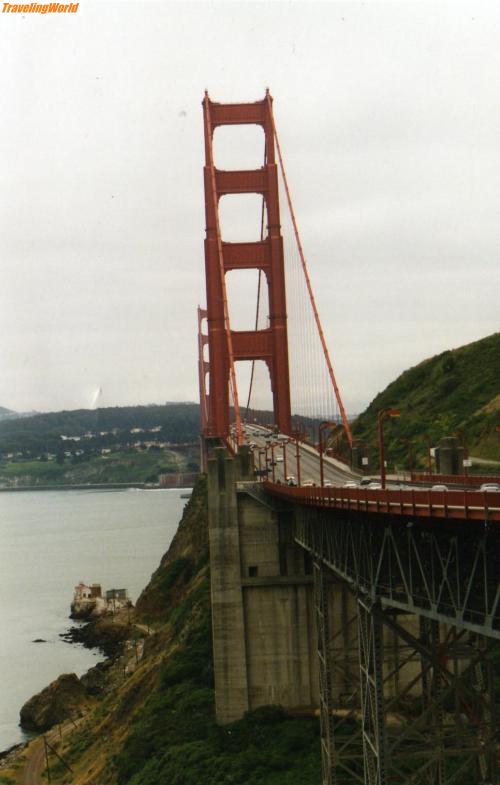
[{"x": 285, "y": 452}]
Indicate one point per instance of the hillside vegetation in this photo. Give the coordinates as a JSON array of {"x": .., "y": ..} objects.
[
  {"x": 157, "y": 724},
  {"x": 116, "y": 445},
  {"x": 457, "y": 391},
  {"x": 178, "y": 422},
  {"x": 119, "y": 466}
]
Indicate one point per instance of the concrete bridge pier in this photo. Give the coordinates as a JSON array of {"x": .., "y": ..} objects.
[{"x": 263, "y": 621}]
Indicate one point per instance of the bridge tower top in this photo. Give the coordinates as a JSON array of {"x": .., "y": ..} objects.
[{"x": 227, "y": 346}]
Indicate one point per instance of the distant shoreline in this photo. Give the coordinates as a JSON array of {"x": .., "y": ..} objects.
[{"x": 81, "y": 486}]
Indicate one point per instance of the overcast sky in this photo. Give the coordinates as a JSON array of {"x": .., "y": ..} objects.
[{"x": 389, "y": 119}]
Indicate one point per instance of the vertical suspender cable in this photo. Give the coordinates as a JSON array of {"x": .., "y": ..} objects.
[
  {"x": 232, "y": 374},
  {"x": 258, "y": 296},
  {"x": 308, "y": 282}
]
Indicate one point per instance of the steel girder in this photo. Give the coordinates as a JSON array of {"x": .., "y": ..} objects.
[
  {"x": 325, "y": 689},
  {"x": 447, "y": 572},
  {"x": 438, "y": 726}
]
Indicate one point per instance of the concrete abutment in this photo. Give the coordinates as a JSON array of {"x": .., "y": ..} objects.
[{"x": 264, "y": 616}]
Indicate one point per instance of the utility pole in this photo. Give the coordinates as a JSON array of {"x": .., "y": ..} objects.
[{"x": 49, "y": 778}]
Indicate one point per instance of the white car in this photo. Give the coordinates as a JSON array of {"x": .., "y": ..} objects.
[
  {"x": 439, "y": 488},
  {"x": 350, "y": 484},
  {"x": 490, "y": 487},
  {"x": 374, "y": 486}
]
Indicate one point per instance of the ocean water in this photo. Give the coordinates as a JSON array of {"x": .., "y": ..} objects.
[{"x": 49, "y": 541}]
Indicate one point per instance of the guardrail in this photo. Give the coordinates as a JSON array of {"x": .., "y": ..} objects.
[
  {"x": 463, "y": 505},
  {"x": 455, "y": 479}
]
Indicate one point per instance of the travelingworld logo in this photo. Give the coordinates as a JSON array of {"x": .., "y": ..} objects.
[{"x": 40, "y": 8}]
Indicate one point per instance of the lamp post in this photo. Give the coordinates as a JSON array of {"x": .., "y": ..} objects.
[
  {"x": 429, "y": 456},
  {"x": 271, "y": 447},
  {"x": 382, "y": 415},
  {"x": 322, "y": 426},
  {"x": 284, "y": 460},
  {"x": 296, "y": 435},
  {"x": 408, "y": 443},
  {"x": 465, "y": 461},
  {"x": 261, "y": 453},
  {"x": 273, "y": 462}
]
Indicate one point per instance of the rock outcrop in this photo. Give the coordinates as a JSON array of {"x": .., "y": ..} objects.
[
  {"x": 103, "y": 633},
  {"x": 56, "y": 703}
]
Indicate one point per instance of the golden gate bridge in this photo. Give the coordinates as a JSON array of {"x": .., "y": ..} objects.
[{"x": 421, "y": 567}]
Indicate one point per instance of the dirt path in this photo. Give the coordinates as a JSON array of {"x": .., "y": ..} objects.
[
  {"x": 143, "y": 628},
  {"x": 35, "y": 761},
  {"x": 35, "y": 758},
  {"x": 483, "y": 461}
]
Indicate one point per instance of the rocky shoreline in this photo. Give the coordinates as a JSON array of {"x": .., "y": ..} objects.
[
  {"x": 67, "y": 696},
  {"x": 103, "y": 633}
]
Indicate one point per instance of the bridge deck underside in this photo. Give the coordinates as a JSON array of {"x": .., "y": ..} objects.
[
  {"x": 448, "y": 572},
  {"x": 436, "y": 590}
]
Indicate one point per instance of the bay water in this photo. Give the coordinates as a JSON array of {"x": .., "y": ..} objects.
[{"x": 49, "y": 541}]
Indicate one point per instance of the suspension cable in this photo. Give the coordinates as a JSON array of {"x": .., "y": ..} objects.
[
  {"x": 308, "y": 281},
  {"x": 257, "y": 314}
]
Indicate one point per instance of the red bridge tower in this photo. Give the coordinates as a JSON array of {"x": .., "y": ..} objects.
[{"x": 227, "y": 346}]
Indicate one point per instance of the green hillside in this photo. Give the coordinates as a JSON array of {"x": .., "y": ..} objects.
[
  {"x": 456, "y": 392},
  {"x": 116, "y": 445},
  {"x": 178, "y": 422}
]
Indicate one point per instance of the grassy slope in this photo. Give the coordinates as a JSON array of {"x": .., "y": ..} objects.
[
  {"x": 119, "y": 466},
  {"x": 158, "y": 725},
  {"x": 456, "y": 391}
]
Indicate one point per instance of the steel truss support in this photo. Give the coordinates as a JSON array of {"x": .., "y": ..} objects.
[
  {"x": 372, "y": 693},
  {"x": 446, "y": 571},
  {"x": 432, "y": 685},
  {"x": 325, "y": 683},
  {"x": 444, "y": 731},
  {"x": 426, "y": 717},
  {"x": 422, "y": 709}
]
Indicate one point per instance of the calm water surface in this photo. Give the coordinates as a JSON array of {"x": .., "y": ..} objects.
[{"x": 49, "y": 541}]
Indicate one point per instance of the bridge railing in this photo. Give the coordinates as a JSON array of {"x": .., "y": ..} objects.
[
  {"x": 455, "y": 479},
  {"x": 420, "y": 503}
]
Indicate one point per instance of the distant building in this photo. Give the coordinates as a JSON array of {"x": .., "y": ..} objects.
[
  {"x": 88, "y": 601},
  {"x": 87, "y": 592},
  {"x": 116, "y": 594}
]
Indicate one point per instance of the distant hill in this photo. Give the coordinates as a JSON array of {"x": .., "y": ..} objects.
[
  {"x": 6, "y": 413},
  {"x": 179, "y": 422},
  {"x": 457, "y": 391}
]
